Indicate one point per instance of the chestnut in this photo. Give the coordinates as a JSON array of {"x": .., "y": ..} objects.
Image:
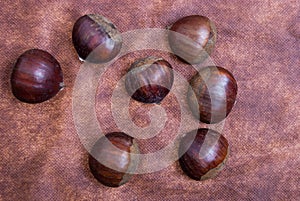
[
  {"x": 114, "y": 150},
  {"x": 149, "y": 79},
  {"x": 36, "y": 76},
  {"x": 212, "y": 94},
  {"x": 96, "y": 39},
  {"x": 192, "y": 38},
  {"x": 203, "y": 153}
]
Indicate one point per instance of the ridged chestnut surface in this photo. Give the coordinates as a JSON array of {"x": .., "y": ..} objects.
[
  {"x": 205, "y": 153},
  {"x": 149, "y": 80},
  {"x": 194, "y": 39},
  {"x": 36, "y": 77},
  {"x": 212, "y": 94},
  {"x": 113, "y": 150},
  {"x": 96, "y": 39}
]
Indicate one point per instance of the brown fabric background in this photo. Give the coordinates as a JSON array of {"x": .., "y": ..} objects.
[{"x": 258, "y": 41}]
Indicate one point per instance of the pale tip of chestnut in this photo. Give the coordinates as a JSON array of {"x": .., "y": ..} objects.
[{"x": 62, "y": 85}]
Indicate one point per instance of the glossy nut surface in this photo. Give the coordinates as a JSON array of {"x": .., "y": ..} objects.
[
  {"x": 194, "y": 39},
  {"x": 36, "y": 77},
  {"x": 212, "y": 94},
  {"x": 149, "y": 80},
  {"x": 96, "y": 39},
  {"x": 204, "y": 153},
  {"x": 110, "y": 161}
]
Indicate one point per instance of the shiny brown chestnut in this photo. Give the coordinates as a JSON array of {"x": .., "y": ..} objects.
[
  {"x": 36, "y": 77},
  {"x": 212, "y": 94},
  {"x": 149, "y": 79},
  {"x": 193, "y": 38},
  {"x": 110, "y": 161},
  {"x": 203, "y": 153},
  {"x": 96, "y": 39}
]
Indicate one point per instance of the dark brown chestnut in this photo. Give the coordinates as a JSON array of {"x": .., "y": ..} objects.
[
  {"x": 114, "y": 150},
  {"x": 36, "y": 77},
  {"x": 192, "y": 38},
  {"x": 96, "y": 39},
  {"x": 212, "y": 94},
  {"x": 149, "y": 80},
  {"x": 203, "y": 153}
]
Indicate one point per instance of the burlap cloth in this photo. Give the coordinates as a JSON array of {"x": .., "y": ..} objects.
[{"x": 42, "y": 157}]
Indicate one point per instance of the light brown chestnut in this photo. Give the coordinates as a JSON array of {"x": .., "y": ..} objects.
[
  {"x": 212, "y": 94},
  {"x": 149, "y": 79},
  {"x": 192, "y": 38},
  {"x": 96, "y": 39},
  {"x": 203, "y": 153},
  {"x": 110, "y": 161}
]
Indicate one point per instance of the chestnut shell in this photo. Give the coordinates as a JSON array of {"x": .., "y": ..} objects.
[
  {"x": 96, "y": 39},
  {"x": 119, "y": 159},
  {"x": 149, "y": 80},
  {"x": 206, "y": 153},
  {"x": 36, "y": 77},
  {"x": 192, "y": 38},
  {"x": 212, "y": 94}
]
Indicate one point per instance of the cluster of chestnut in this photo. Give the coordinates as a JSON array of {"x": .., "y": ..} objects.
[{"x": 37, "y": 77}]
